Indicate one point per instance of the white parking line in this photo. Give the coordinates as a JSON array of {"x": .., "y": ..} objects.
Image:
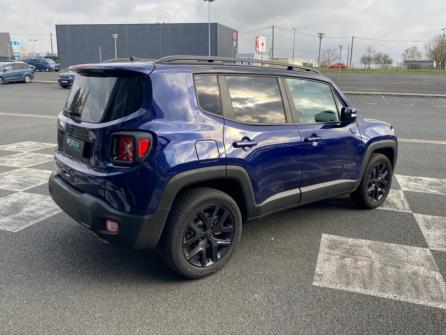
[
  {"x": 23, "y": 179},
  {"x": 21, "y": 210},
  {"x": 27, "y": 146},
  {"x": 21, "y": 160},
  {"x": 434, "y": 230},
  {"x": 422, "y": 184},
  {"x": 39, "y": 116},
  {"x": 380, "y": 269},
  {"x": 421, "y": 141},
  {"x": 396, "y": 201},
  {"x": 385, "y": 100}
]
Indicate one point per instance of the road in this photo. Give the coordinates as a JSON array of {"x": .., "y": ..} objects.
[{"x": 58, "y": 278}]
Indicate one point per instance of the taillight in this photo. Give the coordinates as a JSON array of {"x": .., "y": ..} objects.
[
  {"x": 126, "y": 148},
  {"x": 130, "y": 147}
]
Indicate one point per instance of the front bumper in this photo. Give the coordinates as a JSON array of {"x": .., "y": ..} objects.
[{"x": 135, "y": 231}]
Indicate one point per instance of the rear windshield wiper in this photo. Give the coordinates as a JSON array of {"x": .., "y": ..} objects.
[{"x": 71, "y": 112}]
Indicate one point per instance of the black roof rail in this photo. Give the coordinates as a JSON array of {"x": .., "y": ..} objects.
[{"x": 203, "y": 60}]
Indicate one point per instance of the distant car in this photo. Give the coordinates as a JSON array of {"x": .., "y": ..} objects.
[
  {"x": 43, "y": 64},
  {"x": 66, "y": 79},
  {"x": 15, "y": 72},
  {"x": 338, "y": 66}
]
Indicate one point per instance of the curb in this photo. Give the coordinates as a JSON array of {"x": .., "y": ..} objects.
[
  {"x": 396, "y": 94},
  {"x": 44, "y": 81}
]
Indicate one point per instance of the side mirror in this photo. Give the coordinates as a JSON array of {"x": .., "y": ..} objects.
[{"x": 348, "y": 115}]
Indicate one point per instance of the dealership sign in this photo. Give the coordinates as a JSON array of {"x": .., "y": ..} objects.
[
  {"x": 15, "y": 43},
  {"x": 260, "y": 44}
]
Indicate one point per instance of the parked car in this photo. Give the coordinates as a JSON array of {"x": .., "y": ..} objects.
[
  {"x": 66, "y": 79},
  {"x": 338, "y": 66},
  {"x": 181, "y": 151},
  {"x": 44, "y": 64},
  {"x": 15, "y": 72}
]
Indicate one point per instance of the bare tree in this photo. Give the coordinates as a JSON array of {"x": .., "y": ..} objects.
[
  {"x": 368, "y": 57},
  {"x": 436, "y": 51},
  {"x": 411, "y": 53},
  {"x": 328, "y": 57}
]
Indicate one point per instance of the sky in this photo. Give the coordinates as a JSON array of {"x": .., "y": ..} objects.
[{"x": 403, "y": 22}]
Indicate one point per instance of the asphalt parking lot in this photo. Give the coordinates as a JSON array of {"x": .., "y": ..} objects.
[{"x": 292, "y": 272}]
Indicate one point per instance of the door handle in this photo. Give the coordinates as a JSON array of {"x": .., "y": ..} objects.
[
  {"x": 245, "y": 143},
  {"x": 312, "y": 139}
]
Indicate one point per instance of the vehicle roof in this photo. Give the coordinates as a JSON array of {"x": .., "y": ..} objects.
[
  {"x": 147, "y": 67},
  {"x": 11, "y": 62}
]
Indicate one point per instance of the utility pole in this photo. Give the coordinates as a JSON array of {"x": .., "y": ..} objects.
[
  {"x": 294, "y": 41},
  {"x": 351, "y": 51},
  {"x": 51, "y": 42},
  {"x": 340, "y": 61},
  {"x": 272, "y": 43},
  {"x": 348, "y": 55},
  {"x": 443, "y": 58},
  {"x": 115, "y": 37},
  {"x": 100, "y": 54},
  {"x": 209, "y": 25},
  {"x": 320, "y": 35}
]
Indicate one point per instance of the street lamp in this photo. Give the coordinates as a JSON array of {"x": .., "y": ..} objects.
[
  {"x": 115, "y": 37},
  {"x": 209, "y": 24},
  {"x": 9, "y": 51},
  {"x": 34, "y": 49},
  {"x": 294, "y": 41},
  {"x": 443, "y": 59},
  {"x": 320, "y": 35}
]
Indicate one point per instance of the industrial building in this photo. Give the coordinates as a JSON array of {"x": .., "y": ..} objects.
[{"x": 88, "y": 43}]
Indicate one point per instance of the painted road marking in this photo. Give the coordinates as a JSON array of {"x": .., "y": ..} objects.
[
  {"x": 415, "y": 140},
  {"x": 385, "y": 100},
  {"x": 21, "y": 210},
  {"x": 380, "y": 269},
  {"x": 39, "y": 116},
  {"x": 27, "y": 146},
  {"x": 396, "y": 201},
  {"x": 23, "y": 179},
  {"x": 422, "y": 184},
  {"x": 25, "y": 160},
  {"x": 434, "y": 230}
]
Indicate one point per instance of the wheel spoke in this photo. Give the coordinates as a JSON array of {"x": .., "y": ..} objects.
[
  {"x": 214, "y": 214},
  {"x": 196, "y": 251}
]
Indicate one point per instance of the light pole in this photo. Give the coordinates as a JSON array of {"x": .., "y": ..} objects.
[
  {"x": 9, "y": 51},
  {"x": 320, "y": 35},
  {"x": 34, "y": 49},
  {"x": 294, "y": 41},
  {"x": 443, "y": 59},
  {"x": 209, "y": 24},
  {"x": 115, "y": 37},
  {"x": 340, "y": 61},
  {"x": 100, "y": 54}
]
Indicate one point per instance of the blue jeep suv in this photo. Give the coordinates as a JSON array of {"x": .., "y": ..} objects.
[{"x": 179, "y": 152}]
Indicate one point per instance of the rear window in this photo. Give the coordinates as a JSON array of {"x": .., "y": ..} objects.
[{"x": 97, "y": 99}]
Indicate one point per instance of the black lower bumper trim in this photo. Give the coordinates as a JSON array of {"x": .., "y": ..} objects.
[{"x": 136, "y": 231}]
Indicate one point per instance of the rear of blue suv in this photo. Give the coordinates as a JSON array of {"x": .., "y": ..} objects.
[{"x": 180, "y": 154}]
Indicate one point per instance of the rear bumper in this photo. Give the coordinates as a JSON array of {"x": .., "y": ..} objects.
[{"x": 135, "y": 231}]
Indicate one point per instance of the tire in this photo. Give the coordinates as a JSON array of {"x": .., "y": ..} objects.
[
  {"x": 2, "y": 81},
  {"x": 199, "y": 239},
  {"x": 27, "y": 79},
  {"x": 375, "y": 184}
]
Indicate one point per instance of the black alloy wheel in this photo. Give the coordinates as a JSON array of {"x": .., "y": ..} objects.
[
  {"x": 375, "y": 183},
  {"x": 208, "y": 235},
  {"x": 378, "y": 181}
]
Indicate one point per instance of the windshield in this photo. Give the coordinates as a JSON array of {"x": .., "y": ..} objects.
[
  {"x": 101, "y": 99},
  {"x": 49, "y": 60}
]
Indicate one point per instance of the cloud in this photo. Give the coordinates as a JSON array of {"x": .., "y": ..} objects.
[{"x": 339, "y": 19}]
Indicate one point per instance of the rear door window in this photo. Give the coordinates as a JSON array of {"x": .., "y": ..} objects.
[
  {"x": 313, "y": 101},
  {"x": 256, "y": 99},
  {"x": 208, "y": 93},
  {"x": 99, "y": 99}
]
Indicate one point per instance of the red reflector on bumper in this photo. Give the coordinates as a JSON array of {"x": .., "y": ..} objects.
[{"x": 112, "y": 227}]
